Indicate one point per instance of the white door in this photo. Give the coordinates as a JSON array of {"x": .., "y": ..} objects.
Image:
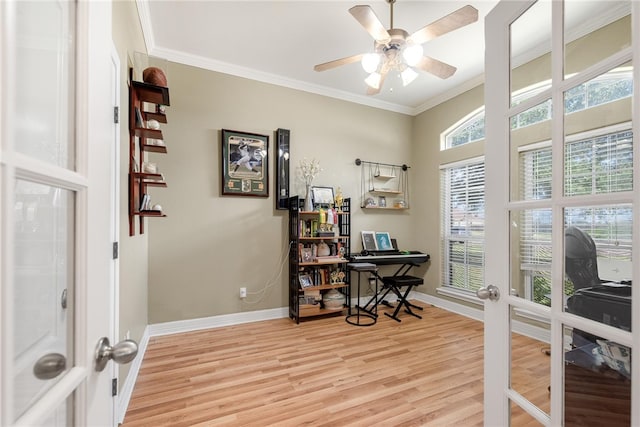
[
  {"x": 56, "y": 126},
  {"x": 562, "y": 213}
]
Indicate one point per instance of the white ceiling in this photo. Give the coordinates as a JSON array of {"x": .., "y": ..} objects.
[{"x": 279, "y": 42}]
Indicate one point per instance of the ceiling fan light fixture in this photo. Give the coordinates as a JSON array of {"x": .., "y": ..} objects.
[
  {"x": 373, "y": 81},
  {"x": 370, "y": 62},
  {"x": 408, "y": 75},
  {"x": 412, "y": 54}
]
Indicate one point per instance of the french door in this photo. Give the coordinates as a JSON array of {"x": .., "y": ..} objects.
[
  {"x": 562, "y": 209},
  {"x": 56, "y": 122}
]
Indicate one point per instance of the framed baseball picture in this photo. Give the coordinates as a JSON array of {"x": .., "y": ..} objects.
[{"x": 245, "y": 166}]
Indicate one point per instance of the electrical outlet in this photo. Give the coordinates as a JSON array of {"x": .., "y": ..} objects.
[{"x": 243, "y": 292}]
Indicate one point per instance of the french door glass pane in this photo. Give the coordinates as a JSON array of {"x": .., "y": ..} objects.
[
  {"x": 530, "y": 373},
  {"x": 44, "y": 81},
  {"x": 521, "y": 418},
  {"x": 530, "y": 239},
  {"x": 609, "y": 24},
  {"x": 530, "y": 48},
  {"x": 598, "y": 257},
  {"x": 597, "y": 378},
  {"x": 43, "y": 285},
  {"x": 530, "y": 153}
]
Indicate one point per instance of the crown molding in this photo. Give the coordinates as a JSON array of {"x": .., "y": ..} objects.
[{"x": 249, "y": 73}]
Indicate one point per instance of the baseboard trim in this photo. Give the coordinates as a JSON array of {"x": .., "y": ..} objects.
[
  {"x": 124, "y": 396},
  {"x": 190, "y": 325}
]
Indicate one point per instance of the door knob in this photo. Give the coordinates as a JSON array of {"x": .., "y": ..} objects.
[
  {"x": 490, "y": 292},
  {"x": 50, "y": 366},
  {"x": 123, "y": 352}
]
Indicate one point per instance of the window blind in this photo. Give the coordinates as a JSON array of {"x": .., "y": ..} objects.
[{"x": 462, "y": 228}]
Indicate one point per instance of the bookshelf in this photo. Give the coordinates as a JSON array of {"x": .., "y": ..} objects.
[{"x": 318, "y": 278}]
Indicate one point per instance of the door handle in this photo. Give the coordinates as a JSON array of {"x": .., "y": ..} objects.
[
  {"x": 50, "y": 366},
  {"x": 123, "y": 352},
  {"x": 491, "y": 292}
]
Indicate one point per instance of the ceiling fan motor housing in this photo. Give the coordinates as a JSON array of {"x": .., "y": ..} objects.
[{"x": 393, "y": 47}]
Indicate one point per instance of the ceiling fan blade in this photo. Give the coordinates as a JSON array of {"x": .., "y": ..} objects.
[
  {"x": 435, "y": 67},
  {"x": 368, "y": 19},
  {"x": 461, "y": 17},
  {"x": 338, "y": 62}
]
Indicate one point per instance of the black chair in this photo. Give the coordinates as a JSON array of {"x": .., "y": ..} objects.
[
  {"x": 601, "y": 300},
  {"x": 581, "y": 264}
]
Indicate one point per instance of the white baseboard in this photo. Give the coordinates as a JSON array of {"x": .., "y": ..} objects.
[
  {"x": 216, "y": 321},
  {"x": 124, "y": 396},
  {"x": 279, "y": 313}
]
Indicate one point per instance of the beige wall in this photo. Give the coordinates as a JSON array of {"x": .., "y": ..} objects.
[{"x": 211, "y": 245}]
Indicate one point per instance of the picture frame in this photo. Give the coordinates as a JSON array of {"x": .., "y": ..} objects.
[
  {"x": 382, "y": 201},
  {"x": 305, "y": 281},
  {"x": 282, "y": 168},
  {"x": 322, "y": 197},
  {"x": 369, "y": 241},
  {"x": 383, "y": 241},
  {"x": 306, "y": 255},
  {"x": 245, "y": 164}
]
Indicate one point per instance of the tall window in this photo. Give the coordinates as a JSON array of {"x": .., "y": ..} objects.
[{"x": 462, "y": 229}]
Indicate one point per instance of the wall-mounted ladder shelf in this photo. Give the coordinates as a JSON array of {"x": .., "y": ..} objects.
[{"x": 383, "y": 185}]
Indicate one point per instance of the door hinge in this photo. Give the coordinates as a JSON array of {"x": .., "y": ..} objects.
[
  {"x": 116, "y": 114},
  {"x": 114, "y": 387},
  {"x": 115, "y": 250}
]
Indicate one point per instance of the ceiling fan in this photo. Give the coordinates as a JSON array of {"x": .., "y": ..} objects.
[{"x": 395, "y": 49}]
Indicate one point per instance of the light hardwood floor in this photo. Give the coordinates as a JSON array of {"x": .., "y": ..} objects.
[{"x": 327, "y": 372}]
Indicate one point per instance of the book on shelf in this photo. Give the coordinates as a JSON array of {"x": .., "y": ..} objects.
[{"x": 145, "y": 203}]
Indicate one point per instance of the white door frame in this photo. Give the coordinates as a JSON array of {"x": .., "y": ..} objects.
[{"x": 115, "y": 219}]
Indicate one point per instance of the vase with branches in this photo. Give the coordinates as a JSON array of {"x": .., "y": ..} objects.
[{"x": 307, "y": 171}]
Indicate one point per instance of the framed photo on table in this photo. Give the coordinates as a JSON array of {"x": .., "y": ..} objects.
[
  {"x": 383, "y": 241},
  {"x": 245, "y": 166},
  {"x": 305, "y": 281},
  {"x": 322, "y": 197},
  {"x": 369, "y": 241}
]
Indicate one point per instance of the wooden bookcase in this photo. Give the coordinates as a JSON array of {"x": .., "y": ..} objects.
[
  {"x": 146, "y": 102},
  {"x": 319, "y": 269}
]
